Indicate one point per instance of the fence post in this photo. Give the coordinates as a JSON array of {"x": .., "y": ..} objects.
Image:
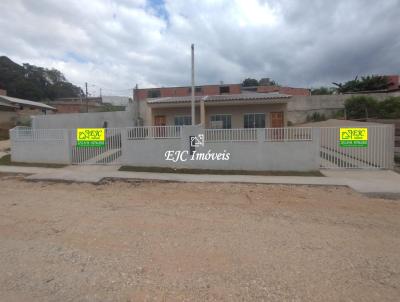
[
  {"x": 260, "y": 135},
  {"x": 392, "y": 145},
  {"x": 124, "y": 139},
  {"x": 68, "y": 143},
  {"x": 316, "y": 141}
]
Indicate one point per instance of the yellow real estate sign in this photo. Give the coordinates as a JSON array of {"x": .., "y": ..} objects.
[
  {"x": 90, "y": 137},
  {"x": 353, "y": 137}
]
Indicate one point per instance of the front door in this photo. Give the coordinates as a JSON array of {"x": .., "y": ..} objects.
[
  {"x": 160, "y": 120},
  {"x": 276, "y": 119}
]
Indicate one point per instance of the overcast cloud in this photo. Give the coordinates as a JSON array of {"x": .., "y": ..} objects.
[{"x": 116, "y": 44}]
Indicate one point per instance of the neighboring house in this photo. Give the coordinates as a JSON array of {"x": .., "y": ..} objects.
[
  {"x": 7, "y": 115},
  {"x": 15, "y": 111},
  {"x": 91, "y": 104},
  {"x": 116, "y": 100},
  {"x": 77, "y": 105},
  {"x": 217, "y": 106},
  {"x": 245, "y": 110}
]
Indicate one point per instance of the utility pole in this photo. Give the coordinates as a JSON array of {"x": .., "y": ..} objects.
[
  {"x": 87, "y": 101},
  {"x": 193, "y": 100},
  {"x": 136, "y": 106},
  {"x": 100, "y": 92}
]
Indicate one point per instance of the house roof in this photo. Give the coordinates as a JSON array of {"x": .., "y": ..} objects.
[
  {"x": 273, "y": 97},
  {"x": 8, "y": 105},
  {"x": 13, "y": 101}
]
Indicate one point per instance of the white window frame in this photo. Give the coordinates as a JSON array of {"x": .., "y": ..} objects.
[
  {"x": 255, "y": 113},
  {"x": 223, "y": 114}
]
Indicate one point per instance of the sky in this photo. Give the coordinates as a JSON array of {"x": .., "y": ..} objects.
[{"x": 114, "y": 45}]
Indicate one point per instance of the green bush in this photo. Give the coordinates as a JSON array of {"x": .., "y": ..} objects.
[
  {"x": 316, "y": 117},
  {"x": 339, "y": 114},
  {"x": 389, "y": 108},
  {"x": 361, "y": 107}
]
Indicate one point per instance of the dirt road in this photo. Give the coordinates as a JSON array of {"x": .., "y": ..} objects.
[{"x": 195, "y": 242}]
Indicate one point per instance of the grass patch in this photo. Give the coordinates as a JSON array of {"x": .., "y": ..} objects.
[
  {"x": 6, "y": 161},
  {"x": 219, "y": 172}
]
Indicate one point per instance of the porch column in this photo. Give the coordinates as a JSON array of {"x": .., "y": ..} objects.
[
  {"x": 149, "y": 120},
  {"x": 202, "y": 113}
]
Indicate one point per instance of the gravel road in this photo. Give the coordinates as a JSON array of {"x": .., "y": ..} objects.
[{"x": 152, "y": 241}]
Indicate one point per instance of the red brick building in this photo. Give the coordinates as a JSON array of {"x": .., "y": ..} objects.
[
  {"x": 394, "y": 82},
  {"x": 222, "y": 89}
]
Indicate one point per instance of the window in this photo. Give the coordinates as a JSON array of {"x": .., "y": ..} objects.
[
  {"x": 223, "y": 89},
  {"x": 224, "y": 118},
  {"x": 197, "y": 89},
  {"x": 254, "y": 120},
  {"x": 153, "y": 93},
  {"x": 183, "y": 120}
]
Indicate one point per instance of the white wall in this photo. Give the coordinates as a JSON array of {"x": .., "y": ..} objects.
[
  {"x": 53, "y": 147},
  {"x": 114, "y": 119},
  {"x": 299, "y": 107},
  {"x": 258, "y": 155}
]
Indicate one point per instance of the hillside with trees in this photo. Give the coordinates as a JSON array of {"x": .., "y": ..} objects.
[{"x": 34, "y": 83}]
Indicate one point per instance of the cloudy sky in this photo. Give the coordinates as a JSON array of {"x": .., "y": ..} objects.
[{"x": 116, "y": 44}]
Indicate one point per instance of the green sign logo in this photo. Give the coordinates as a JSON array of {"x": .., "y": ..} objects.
[{"x": 90, "y": 137}]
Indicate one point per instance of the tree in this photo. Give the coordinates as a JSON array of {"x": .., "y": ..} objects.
[
  {"x": 361, "y": 107},
  {"x": 249, "y": 82},
  {"x": 323, "y": 90},
  {"x": 368, "y": 83},
  {"x": 267, "y": 82},
  {"x": 35, "y": 83}
]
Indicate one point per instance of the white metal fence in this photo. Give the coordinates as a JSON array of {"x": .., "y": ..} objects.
[
  {"x": 288, "y": 134},
  {"x": 229, "y": 135},
  {"x": 21, "y": 134},
  {"x": 109, "y": 154},
  {"x": 154, "y": 132},
  {"x": 379, "y": 154}
]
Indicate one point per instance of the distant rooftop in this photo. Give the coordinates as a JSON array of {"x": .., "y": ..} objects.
[{"x": 12, "y": 101}]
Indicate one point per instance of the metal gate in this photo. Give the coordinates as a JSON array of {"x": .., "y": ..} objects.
[
  {"x": 109, "y": 154},
  {"x": 378, "y": 155}
]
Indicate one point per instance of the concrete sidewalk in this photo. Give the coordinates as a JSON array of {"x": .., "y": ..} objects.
[
  {"x": 368, "y": 181},
  {"x": 363, "y": 181}
]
